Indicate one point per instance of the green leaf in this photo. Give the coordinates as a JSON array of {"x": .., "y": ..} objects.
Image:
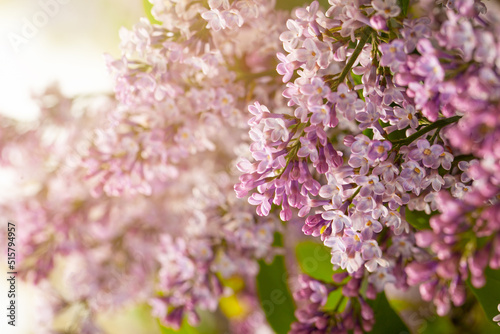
[
  {"x": 274, "y": 295},
  {"x": 386, "y": 319},
  {"x": 358, "y": 81},
  {"x": 419, "y": 219},
  {"x": 334, "y": 302},
  {"x": 368, "y": 132},
  {"x": 314, "y": 260},
  {"x": 185, "y": 329},
  {"x": 357, "y": 78},
  {"x": 489, "y": 295},
  {"x": 210, "y": 323},
  {"x": 148, "y": 6},
  {"x": 436, "y": 325},
  {"x": 394, "y": 135},
  {"x": 291, "y": 4},
  {"x": 397, "y": 135},
  {"x": 403, "y": 4}
]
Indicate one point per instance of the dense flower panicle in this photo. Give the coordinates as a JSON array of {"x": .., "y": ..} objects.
[
  {"x": 193, "y": 90},
  {"x": 116, "y": 240},
  {"x": 180, "y": 90},
  {"x": 107, "y": 237},
  {"x": 215, "y": 246},
  {"x": 436, "y": 84},
  {"x": 376, "y": 129},
  {"x": 312, "y": 318},
  {"x": 178, "y": 83}
]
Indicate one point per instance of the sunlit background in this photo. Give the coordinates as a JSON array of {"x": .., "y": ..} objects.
[
  {"x": 67, "y": 47},
  {"x": 63, "y": 41}
]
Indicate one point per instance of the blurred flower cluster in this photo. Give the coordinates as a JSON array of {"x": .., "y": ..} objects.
[{"x": 373, "y": 124}]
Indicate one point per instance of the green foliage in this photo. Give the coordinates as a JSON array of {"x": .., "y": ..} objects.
[
  {"x": 147, "y": 8},
  {"x": 404, "y": 4},
  {"x": 418, "y": 219},
  {"x": 274, "y": 295},
  {"x": 334, "y": 301},
  {"x": 291, "y": 4},
  {"x": 489, "y": 295},
  {"x": 357, "y": 78},
  {"x": 314, "y": 260},
  {"x": 386, "y": 319},
  {"x": 394, "y": 135},
  {"x": 368, "y": 132},
  {"x": 185, "y": 329},
  {"x": 467, "y": 318},
  {"x": 210, "y": 323},
  {"x": 397, "y": 135}
]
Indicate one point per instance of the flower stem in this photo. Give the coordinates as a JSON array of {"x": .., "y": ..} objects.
[
  {"x": 436, "y": 125},
  {"x": 341, "y": 299},
  {"x": 353, "y": 195},
  {"x": 365, "y": 34}
]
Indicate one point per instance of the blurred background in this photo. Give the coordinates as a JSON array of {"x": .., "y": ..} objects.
[
  {"x": 43, "y": 41},
  {"x": 63, "y": 41}
]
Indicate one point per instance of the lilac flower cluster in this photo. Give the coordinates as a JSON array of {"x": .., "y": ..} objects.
[
  {"x": 118, "y": 176},
  {"x": 216, "y": 247},
  {"x": 392, "y": 116},
  {"x": 383, "y": 148},
  {"x": 108, "y": 258},
  {"x": 117, "y": 248},
  {"x": 177, "y": 85},
  {"x": 356, "y": 316}
]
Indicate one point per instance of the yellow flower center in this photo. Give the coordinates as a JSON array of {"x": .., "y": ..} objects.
[{"x": 322, "y": 229}]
